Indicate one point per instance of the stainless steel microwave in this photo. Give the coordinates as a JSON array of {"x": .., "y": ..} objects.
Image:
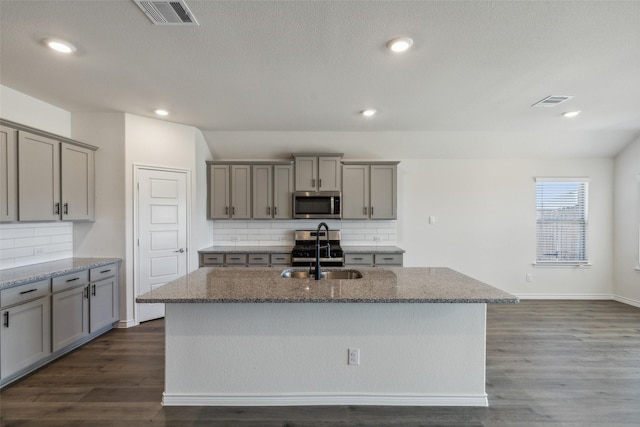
[{"x": 317, "y": 205}]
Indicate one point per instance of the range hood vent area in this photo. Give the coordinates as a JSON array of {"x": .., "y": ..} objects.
[{"x": 167, "y": 12}]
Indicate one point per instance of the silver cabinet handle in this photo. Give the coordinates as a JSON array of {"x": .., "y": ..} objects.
[
  {"x": 233, "y": 210},
  {"x": 86, "y": 292},
  {"x": 268, "y": 210},
  {"x": 180, "y": 250},
  {"x": 313, "y": 182},
  {"x": 57, "y": 209},
  {"x": 226, "y": 210},
  {"x": 66, "y": 209},
  {"x": 275, "y": 210},
  {"x": 93, "y": 290}
]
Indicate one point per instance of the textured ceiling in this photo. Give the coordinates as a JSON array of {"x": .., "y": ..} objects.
[{"x": 307, "y": 66}]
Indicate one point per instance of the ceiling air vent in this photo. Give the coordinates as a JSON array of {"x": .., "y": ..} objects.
[
  {"x": 167, "y": 12},
  {"x": 552, "y": 101}
]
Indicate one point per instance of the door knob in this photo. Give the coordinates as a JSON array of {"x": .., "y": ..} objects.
[{"x": 180, "y": 250}]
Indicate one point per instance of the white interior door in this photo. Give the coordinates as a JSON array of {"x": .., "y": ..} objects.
[{"x": 162, "y": 233}]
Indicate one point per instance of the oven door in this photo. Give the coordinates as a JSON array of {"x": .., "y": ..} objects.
[{"x": 319, "y": 205}]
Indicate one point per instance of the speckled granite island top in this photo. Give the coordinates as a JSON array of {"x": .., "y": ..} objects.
[
  {"x": 378, "y": 285},
  {"x": 20, "y": 275}
]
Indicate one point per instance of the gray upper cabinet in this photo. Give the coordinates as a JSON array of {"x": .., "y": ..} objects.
[
  {"x": 316, "y": 172},
  {"x": 229, "y": 191},
  {"x": 262, "y": 191},
  {"x": 370, "y": 190},
  {"x": 77, "y": 186},
  {"x": 272, "y": 191},
  {"x": 283, "y": 187},
  {"x": 240, "y": 191},
  {"x": 8, "y": 174},
  {"x": 219, "y": 192},
  {"x": 55, "y": 177},
  {"x": 38, "y": 178}
]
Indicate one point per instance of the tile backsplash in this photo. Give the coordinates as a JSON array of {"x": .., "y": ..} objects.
[
  {"x": 25, "y": 244},
  {"x": 280, "y": 233}
]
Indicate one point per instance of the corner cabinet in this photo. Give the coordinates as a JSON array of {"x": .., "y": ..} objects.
[
  {"x": 8, "y": 174},
  {"x": 318, "y": 172},
  {"x": 369, "y": 190},
  {"x": 45, "y": 177}
]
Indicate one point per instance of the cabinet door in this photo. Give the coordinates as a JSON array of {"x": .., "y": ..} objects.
[
  {"x": 283, "y": 191},
  {"x": 240, "y": 191},
  {"x": 8, "y": 175},
  {"x": 329, "y": 174},
  {"x": 383, "y": 192},
  {"x": 355, "y": 192},
  {"x": 25, "y": 335},
  {"x": 262, "y": 192},
  {"x": 70, "y": 310},
  {"x": 219, "y": 200},
  {"x": 38, "y": 178},
  {"x": 77, "y": 187},
  {"x": 306, "y": 173},
  {"x": 104, "y": 303}
]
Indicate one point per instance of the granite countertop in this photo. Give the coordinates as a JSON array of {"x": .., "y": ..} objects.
[
  {"x": 11, "y": 277},
  {"x": 378, "y": 285},
  {"x": 287, "y": 249},
  {"x": 372, "y": 249},
  {"x": 247, "y": 249}
]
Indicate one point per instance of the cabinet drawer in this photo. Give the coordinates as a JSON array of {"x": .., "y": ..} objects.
[
  {"x": 99, "y": 273},
  {"x": 280, "y": 259},
  {"x": 358, "y": 259},
  {"x": 388, "y": 259},
  {"x": 258, "y": 259},
  {"x": 25, "y": 293},
  {"x": 212, "y": 259},
  {"x": 236, "y": 259},
  {"x": 70, "y": 280}
]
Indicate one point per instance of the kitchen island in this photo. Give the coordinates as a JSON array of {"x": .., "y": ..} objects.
[{"x": 248, "y": 336}]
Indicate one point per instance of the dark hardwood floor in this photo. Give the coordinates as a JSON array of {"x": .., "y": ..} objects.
[{"x": 551, "y": 363}]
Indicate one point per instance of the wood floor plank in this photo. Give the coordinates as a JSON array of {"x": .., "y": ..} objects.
[{"x": 549, "y": 363}]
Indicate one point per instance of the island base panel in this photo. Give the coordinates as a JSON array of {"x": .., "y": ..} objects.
[{"x": 297, "y": 354}]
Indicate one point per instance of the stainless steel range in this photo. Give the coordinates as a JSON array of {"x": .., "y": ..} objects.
[{"x": 304, "y": 251}]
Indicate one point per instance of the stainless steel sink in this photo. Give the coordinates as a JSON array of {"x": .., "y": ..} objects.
[{"x": 327, "y": 274}]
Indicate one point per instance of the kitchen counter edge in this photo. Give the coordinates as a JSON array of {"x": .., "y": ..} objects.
[{"x": 17, "y": 276}]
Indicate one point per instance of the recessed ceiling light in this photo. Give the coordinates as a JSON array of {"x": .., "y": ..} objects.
[
  {"x": 400, "y": 44},
  {"x": 60, "y": 45},
  {"x": 570, "y": 114},
  {"x": 368, "y": 112},
  {"x": 161, "y": 112}
]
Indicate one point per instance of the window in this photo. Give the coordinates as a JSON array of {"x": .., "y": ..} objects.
[{"x": 561, "y": 220}]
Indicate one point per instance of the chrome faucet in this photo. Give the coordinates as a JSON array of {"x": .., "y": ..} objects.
[{"x": 318, "y": 247}]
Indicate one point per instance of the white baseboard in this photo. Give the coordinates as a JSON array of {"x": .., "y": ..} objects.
[
  {"x": 567, "y": 296},
  {"x": 126, "y": 323},
  {"x": 625, "y": 300},
  {"x": 315, "y": 399}
]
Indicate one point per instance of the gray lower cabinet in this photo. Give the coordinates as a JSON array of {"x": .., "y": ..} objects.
[
  {"x": 45, "y": 319},
  {"x": 25, "y": 334},
  {"x": 378, "y": 259},
  {"x": 369, "y": 190},
  {"x": 8, "y": 174},
  {"x": 103, "y": 297}
]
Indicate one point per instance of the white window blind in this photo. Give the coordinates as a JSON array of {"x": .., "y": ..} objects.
[{"x": 562, "y": 220}]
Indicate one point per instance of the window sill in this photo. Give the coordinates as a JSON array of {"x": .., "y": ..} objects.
[{"x": 562, "y": 264}]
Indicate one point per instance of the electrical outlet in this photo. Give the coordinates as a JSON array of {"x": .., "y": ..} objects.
[
  {"x": 432, "y": 219},
  {"x": 354, "y": 356},
  {"x": 529, "y": 277}
]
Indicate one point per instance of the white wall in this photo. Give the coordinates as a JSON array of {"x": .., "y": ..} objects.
[
  {"x": 626, "y": 225},
  {"x": 159, "y": 143},
  {"x": 27, "y": 110},
  {"x": 485, "y": 222}
]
